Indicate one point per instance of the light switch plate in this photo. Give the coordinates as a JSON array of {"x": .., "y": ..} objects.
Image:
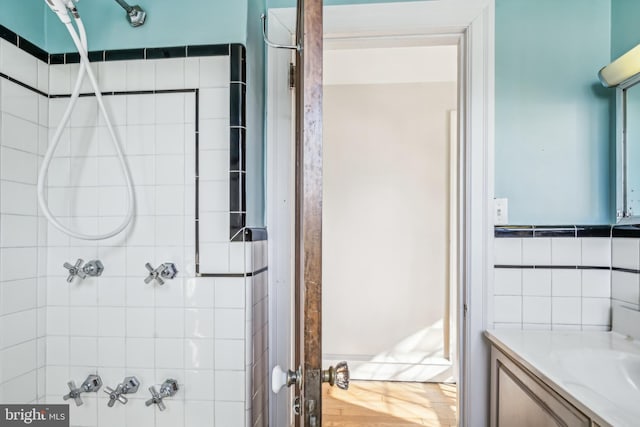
[{"x": 501, "y": 210}]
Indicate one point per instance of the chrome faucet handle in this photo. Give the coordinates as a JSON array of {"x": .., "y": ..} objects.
[
  {"x": 91, "y": 384},
  {"x": 156, "y": 398},
  {"x": 154, "y": 274},
  {"x": 129, "y": 385},
  {"x": 115, "y": 395},
  {"x": 164, "y": 271},
  {"x": 74, "y": 393},
  {"x": 168, "y": 389},
  {"x": 75, "y": 270}
]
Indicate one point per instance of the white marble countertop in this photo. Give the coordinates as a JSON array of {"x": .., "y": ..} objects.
[{"x": 598, "y": 372}]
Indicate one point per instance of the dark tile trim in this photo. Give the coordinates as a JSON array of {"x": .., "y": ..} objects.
[
  {"x": 208, "y": 50},
  {"x": 513, "y": 231},
  {"x": 56, "y": 58},
  {"x": 251, "y": 274},
  {"x": 237, "y": 107},
  {"x": 554, "y": 231},
  {"x": 238, "y": 63},
  {"x": 24, "y": 85},
  {"x": 255, "y": 234},
  {"x": 506, "y": 231},
  {"x": 166, "y": 52},
  {"x": 123, "y": 54},
  {"x": 630, "y": 230},
  {"x": 504, "y": 266},
  {"x": 131, "y": 54},
  {"x": 594, "y": 230},
  {"x": 625, "y": 270},
  {"x": 32, "y": 49},
  {"x": 553, "y": 267},
  {"x": 8, "y": 35}
]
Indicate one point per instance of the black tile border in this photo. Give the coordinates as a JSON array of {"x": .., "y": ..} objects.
[
  {"x": 501, "y": 231},
  {"x": 594, "y": 230},
  {"x": 532, "y": 231},
  {"x": 255, "y": 234},
  {"x": 238, "y": 68},
  {"x": 554, "y": 231},
  {"x": 625, "y": 270},
  {"x": 628, "y": 230},
  {"x": 551, "y": 267}
]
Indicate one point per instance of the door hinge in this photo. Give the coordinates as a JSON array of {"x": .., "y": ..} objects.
[
  {"x": 292, "y": 76},
  {"x": 464, "y": 310}
]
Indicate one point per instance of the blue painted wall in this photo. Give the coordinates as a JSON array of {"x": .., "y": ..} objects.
[
  {"x": 255, "y": 115},
  {"x": 292, "y": 3},
  {"x": 25, "y": 17},
  {"x": 169, "y": 23},
  {"x": 553, "y": 142},
  {"x": 625, "y": 26}
]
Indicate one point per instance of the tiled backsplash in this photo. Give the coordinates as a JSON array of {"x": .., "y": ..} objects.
[
  {"x": 552, "y": 277},
  {"x": 209, "y": 331}
]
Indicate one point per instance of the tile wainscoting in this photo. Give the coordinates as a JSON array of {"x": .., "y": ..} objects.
[
  {"x": 564, "y": 277},
  {"x": 180, "y": 112}
]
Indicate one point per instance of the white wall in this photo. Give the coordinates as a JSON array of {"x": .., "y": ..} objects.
[{"x": 385, "y": 224}]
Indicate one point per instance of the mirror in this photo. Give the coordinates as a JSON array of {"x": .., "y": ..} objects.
[
  {"x": 628, "y": 149},
  {"x": 632, "y": 120}
]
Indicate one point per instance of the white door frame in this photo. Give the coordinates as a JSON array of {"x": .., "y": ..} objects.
[{"x": 473, "y": 23}]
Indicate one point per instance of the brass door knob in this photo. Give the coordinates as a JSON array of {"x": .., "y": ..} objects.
[{"x": 338, "y": 376}]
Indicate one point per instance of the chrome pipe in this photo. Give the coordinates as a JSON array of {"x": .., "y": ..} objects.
[{"x": 135, "y": 15}]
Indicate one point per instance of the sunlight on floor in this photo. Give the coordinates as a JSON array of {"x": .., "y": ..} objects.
[{"x": 390, "y": 404}]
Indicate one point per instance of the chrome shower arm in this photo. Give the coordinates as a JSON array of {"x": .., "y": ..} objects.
[
  {"x": 135, "y": 14},
  {"x": 124, "y": 5}
]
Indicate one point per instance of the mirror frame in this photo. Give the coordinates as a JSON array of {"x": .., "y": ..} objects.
[{"x": 622, "y": 208}]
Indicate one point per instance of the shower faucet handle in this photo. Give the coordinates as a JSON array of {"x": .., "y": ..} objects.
[
  {"x": 75, "y": 270},
  {"x": 129, "y": 385},
  {"x": 91, "y": 385},
  {"x": 167, "y": 270},
  {"x": 74, "y": 393},
  {"x": 168, "y": 389}
]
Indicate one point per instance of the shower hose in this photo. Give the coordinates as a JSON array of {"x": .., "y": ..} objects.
[{"x": 80, "y": 40}]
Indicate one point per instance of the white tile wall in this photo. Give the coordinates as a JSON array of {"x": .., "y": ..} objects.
[
  {"x": 23, "y": 119},
  {"x": 197, "y": 330},
  {"x": 541, "y": 297}
]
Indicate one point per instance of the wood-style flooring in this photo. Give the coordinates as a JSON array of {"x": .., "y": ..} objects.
[{"x": 389, "y": 404}]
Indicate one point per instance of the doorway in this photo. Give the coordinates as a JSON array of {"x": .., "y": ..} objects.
[
  {"x": 389, "y": 222},
  {"x": 469, "y": 25},
  {"x": 388, "y": 207}
]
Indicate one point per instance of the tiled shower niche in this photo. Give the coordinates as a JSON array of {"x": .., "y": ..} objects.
[{"x": 182, "y": 123}]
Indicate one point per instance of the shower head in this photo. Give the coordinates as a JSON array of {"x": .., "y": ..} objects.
[
  {"x": 62, "y": 8},
  {"x": 135, "y": 15}
]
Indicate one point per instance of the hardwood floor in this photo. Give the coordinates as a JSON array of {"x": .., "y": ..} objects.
[{"x": 390, "y": 404}]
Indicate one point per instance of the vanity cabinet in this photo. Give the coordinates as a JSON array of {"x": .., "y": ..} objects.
[{"x": 520, "y": 399}]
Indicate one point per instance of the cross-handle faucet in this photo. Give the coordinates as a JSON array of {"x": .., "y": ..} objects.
[
  {"x": 75, "y": 270},
  {"x": 167, "y": 270},
  {"x": 92, "y": 268},
  {"x": 168, "y": 389},
  {"x": 91, "y": 384},
  {"x": 128, "y": 386}
]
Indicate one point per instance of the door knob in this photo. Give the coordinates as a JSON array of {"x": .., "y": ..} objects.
[
  {"x": 338, "y": 376},
  {"x": 280, "y": 378}
]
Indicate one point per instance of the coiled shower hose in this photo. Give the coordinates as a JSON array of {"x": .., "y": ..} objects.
[{"x": 80, "y": 40}]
